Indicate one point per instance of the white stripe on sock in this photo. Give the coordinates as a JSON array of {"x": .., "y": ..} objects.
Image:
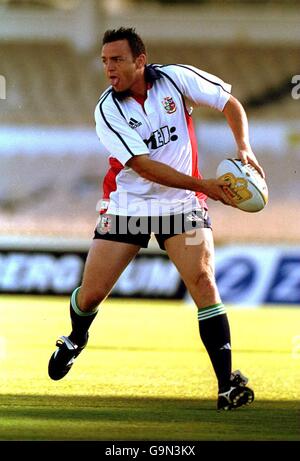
[
  {"x": 76, "y": 308},
  {"x": 211, "y": 313}
]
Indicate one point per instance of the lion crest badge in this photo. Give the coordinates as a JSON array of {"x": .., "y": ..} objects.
[{"x": 169, "y": 104}]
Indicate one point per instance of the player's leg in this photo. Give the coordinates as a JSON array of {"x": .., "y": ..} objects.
[
  {"x": 193, "y": 255},
  {"x": 105, "y": 262},
  {"x": 194, "y": 259},
  {"x": 195, "y": 263}
]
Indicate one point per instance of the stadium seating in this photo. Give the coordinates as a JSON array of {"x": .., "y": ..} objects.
[
  {"x": 53, "y": 84},
  {"x": 48, "y": 84}
]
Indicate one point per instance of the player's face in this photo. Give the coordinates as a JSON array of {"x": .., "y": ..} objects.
[{"x": 121, "y": 69}]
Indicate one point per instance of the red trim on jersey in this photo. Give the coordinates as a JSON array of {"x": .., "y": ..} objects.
[
  {"x": 109, "y": 181},
  {"x": 141, "y": 99},
  {"x": 195, "y": 171}
]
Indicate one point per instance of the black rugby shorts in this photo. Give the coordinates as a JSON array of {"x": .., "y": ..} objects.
[{"x": 137, "y": 229}]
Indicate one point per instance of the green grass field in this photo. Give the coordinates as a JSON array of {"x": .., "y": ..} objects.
[{"x": 145, "y": 374}]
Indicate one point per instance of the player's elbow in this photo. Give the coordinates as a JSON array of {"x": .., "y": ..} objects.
[
  {"x": 232, "y": 105},
  {"x": 141, "y": 164}
]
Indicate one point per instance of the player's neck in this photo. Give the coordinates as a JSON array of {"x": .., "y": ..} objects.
[{"x": 139, "y": 88}]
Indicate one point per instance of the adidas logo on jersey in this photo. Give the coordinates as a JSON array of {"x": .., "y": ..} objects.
[{"x": 134, "y": 123}]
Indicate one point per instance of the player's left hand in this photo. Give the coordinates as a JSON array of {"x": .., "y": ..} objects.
[{"x": 247, "y": 156}]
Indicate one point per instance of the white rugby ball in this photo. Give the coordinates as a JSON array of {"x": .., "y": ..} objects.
[{"x": 247, "y": 188}]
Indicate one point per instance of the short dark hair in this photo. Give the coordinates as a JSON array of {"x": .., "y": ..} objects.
[{"x": 134, "y": 40}]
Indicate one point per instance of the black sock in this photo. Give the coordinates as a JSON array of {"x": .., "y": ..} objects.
[
  {"x": 215, "y": 334},
  {"x": 81, "y": 321}
]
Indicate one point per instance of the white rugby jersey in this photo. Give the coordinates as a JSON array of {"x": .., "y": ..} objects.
[{"x": 161, "y": 127}]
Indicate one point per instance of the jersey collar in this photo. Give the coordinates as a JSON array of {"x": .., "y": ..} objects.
[{"x": 151, "y": 74}]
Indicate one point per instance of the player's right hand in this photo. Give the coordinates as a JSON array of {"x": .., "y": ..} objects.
[{"x": 216, "y": 190}]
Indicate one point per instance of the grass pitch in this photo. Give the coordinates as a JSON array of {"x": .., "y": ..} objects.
[{"x": 145, "y": 374}]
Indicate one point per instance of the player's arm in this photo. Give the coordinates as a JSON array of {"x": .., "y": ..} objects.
[
  {"x": 165, "y": 175},
  {"x": 237, "y": 120},
  {"x": 205, "y": 89}
]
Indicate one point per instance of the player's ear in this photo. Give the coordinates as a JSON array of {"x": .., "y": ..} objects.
[{"x": 141, "y": 61}]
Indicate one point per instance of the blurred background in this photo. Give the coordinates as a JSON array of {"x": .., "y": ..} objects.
[{"x": 52, "y": 163}]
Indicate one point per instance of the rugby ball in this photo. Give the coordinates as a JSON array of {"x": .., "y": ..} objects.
[{"x": 247, "y": 187}]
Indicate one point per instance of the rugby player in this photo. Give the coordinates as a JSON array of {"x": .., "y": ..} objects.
[{"x": 154, "y": 185}]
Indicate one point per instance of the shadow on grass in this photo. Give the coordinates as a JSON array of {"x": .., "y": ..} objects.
[{"x": 92, "y": 418}]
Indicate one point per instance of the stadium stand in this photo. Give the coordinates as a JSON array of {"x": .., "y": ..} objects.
[
  {"x": 52, "y": 84},
  {"x": 48, "y": 84}
]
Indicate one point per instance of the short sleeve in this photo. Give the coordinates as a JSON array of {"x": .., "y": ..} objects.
[
  {"x": 199, "y": 86},
  {"x": 118, "y": 138}
]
